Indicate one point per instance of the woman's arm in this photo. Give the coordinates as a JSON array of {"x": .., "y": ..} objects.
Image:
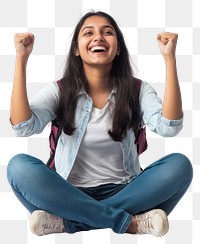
[
  {"x": 19, "y": 109},
  {"x": 172, "y": 103}
]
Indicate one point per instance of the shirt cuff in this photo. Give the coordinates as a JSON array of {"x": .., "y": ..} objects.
[
  {"x": 23, "y": 124},
  {"x": 169, "y": 122}
]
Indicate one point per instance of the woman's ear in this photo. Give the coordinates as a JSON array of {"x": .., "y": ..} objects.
[
  {"x": 118, "y": 50},
  {"x": 75, "y": 48},
  {"x": 76, "y": 52}
]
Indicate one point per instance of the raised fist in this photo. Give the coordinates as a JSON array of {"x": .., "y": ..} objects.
[
  {"x": 167, "y": 42},
  {"x": 24, "y": 44}
]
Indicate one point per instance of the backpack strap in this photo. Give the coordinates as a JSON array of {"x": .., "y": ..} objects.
[{"x": 55, "y": 133}]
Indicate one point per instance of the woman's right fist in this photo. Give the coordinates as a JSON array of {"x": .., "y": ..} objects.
[{"x": 24, "y": 44}]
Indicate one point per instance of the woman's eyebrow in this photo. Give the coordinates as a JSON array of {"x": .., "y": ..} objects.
[{"x": 103, "y": 26}]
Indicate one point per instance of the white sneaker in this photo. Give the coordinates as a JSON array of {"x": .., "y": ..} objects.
[
  {"x": 44, "y": 223},
  {"x": 153, "y": 222}
]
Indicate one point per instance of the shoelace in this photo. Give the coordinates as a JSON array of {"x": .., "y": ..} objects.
[
  {"x": 53, "y": 223},
  {"x": 144, "y": 225}
]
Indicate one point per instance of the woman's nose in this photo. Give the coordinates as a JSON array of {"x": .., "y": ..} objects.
[{"x": 98, "y": 37}]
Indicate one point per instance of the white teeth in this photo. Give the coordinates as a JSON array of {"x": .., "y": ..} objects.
[{"x": 96, "y": 48}]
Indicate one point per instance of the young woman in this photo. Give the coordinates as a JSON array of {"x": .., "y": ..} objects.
[{"x": 98, "y": 182}]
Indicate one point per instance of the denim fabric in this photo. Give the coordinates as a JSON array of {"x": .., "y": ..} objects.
[
  {"x": 43, "y": 108},
  {"x": 160, "y": 185}
]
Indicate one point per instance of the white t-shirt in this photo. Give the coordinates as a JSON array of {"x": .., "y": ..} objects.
[{"x": 99, "y": 160}]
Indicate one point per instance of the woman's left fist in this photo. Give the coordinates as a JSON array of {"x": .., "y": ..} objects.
[{"x": 167, "y": 42}]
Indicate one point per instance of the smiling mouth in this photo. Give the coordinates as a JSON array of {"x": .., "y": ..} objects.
[{"x": 98, "y": 49}]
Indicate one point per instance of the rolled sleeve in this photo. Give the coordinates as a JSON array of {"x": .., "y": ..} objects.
[
  {"x": 21, "y": 128},
  {"x": 151, "y": 110},
  {"x": 169, "y": 128},
  {"x": 43, "y": 107},
  {"x": 172, "y": 123}
]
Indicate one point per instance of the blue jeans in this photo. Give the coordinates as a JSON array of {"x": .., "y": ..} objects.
[{"x": 160, "y": 185}]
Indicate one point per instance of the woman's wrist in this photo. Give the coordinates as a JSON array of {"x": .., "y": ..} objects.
[
  {"x": 21, "y": 60},
  {"x": 170, "y": 59}
]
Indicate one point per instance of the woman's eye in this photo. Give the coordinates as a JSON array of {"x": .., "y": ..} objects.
[
  {"x": 87, "y": 33},
  {"x": 108, "y": 32}
]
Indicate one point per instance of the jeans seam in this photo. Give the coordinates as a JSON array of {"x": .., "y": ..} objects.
[{"x": 126, "y": 224}]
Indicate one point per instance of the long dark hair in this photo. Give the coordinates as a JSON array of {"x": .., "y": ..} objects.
[{"x": 126, "y": 114}]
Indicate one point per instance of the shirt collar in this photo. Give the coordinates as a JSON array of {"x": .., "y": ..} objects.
[{"x": 112, "y": 95}]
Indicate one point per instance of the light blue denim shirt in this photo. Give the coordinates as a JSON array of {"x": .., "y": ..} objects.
[{"x": 43, "y": 107}]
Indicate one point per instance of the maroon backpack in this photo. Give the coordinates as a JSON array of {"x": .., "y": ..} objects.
[{"x": 56, "y": 131}]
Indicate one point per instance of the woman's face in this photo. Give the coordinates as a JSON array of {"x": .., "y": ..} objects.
[{"x": 97, "y": 42}]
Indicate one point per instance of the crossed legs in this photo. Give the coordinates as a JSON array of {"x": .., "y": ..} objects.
[{"x": 160, "y": 186}]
